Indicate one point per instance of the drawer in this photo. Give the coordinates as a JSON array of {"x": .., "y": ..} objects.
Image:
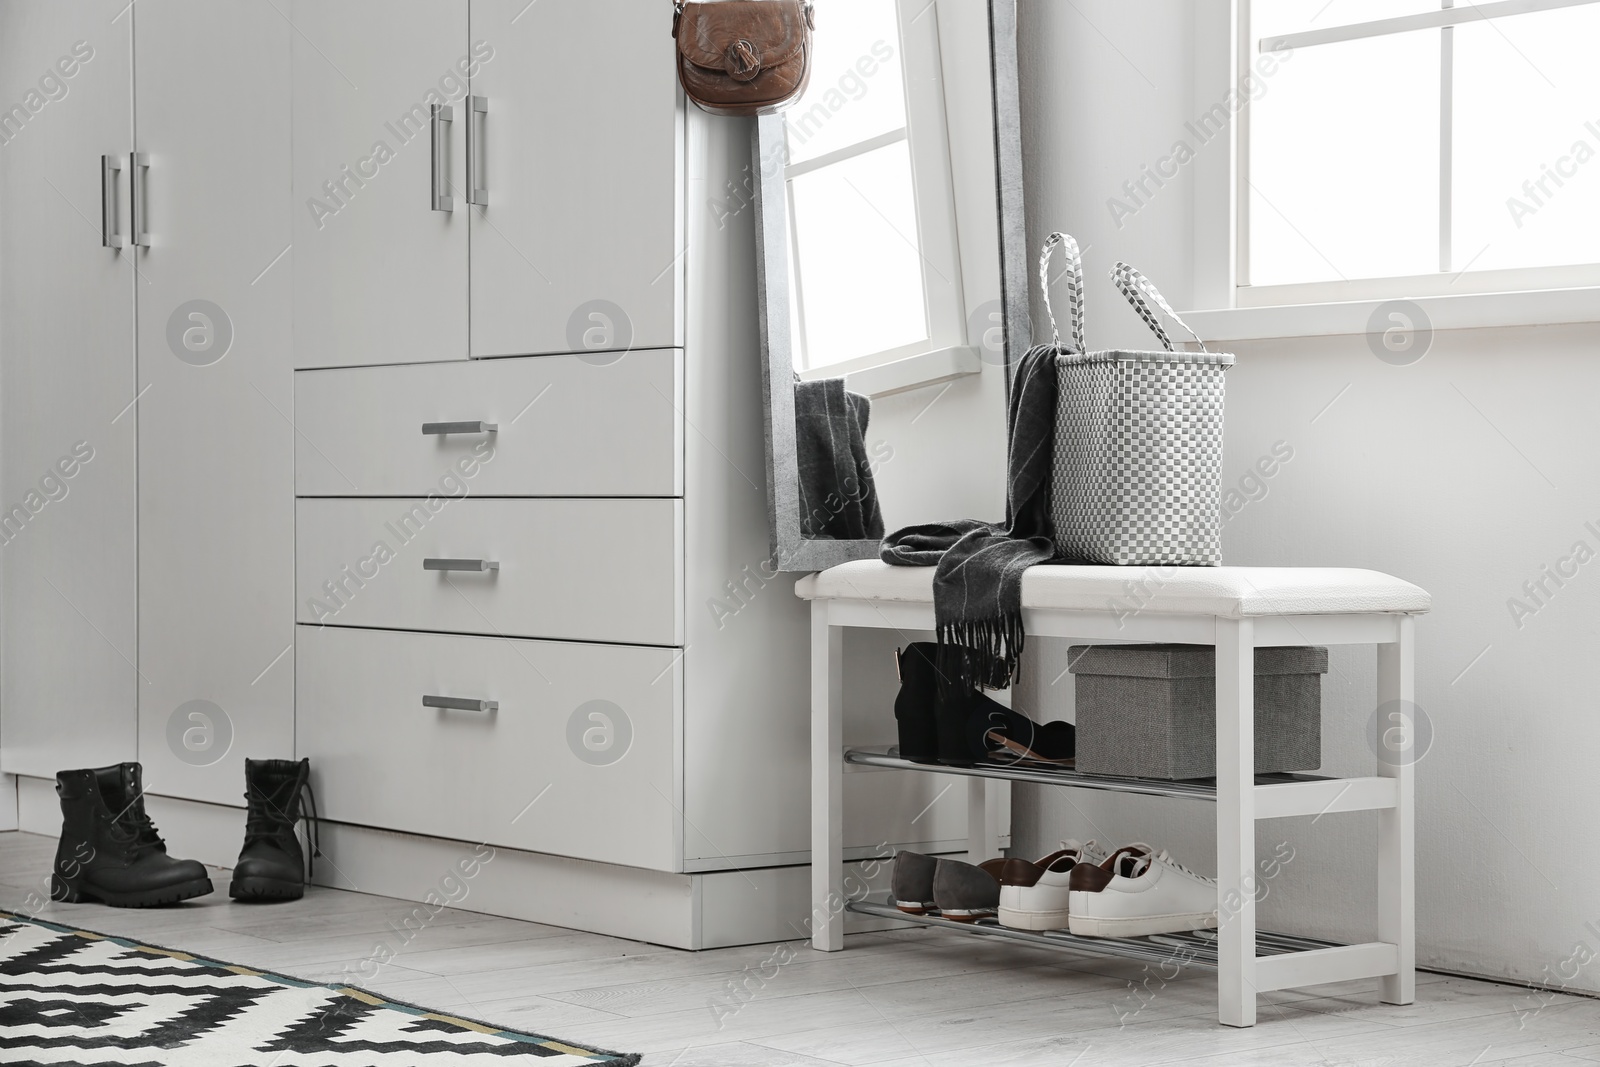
[
  {"x": 567, "y": 426},
  {"x": 585, "y": 734},
  {"x": 580, "y": 570}
]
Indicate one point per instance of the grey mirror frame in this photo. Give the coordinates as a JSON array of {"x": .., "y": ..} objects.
[{"x": 790, "y": 551}]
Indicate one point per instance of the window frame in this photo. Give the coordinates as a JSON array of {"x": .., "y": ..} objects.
[
  {"x": 1229, "y": 56},
  {"x": 944, "y": 352}
]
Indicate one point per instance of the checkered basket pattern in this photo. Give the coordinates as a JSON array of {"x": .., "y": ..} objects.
[{"x": 1137, "y": 474}]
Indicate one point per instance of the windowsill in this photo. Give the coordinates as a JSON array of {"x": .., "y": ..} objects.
[
  {"x": 1547, "y": 307},
  {"x": 912, "y": 372}
]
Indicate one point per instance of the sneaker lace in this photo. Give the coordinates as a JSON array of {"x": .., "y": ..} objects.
[
  {"x": 1164, "y": 857},
  {"x": 1084, "y": 850},
  {"x": 1139, "y": 857}
]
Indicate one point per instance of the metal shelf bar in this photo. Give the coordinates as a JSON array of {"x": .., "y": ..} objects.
[
  {"x": 1196, "y": 789},
  {"x": 1198, "y": 949}
]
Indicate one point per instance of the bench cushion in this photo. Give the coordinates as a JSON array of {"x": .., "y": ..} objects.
[{"x": 1227, "y": 592}]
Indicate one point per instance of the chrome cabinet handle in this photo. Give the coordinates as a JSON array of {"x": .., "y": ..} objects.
[
  {"x": 460, "y": 703},
  {"x": 139, "y": 164},
  {"x": 110, "y": 225},
  {"x": 442, "y": 115},
  {"x": 440, "y": 429},
  {"x": 479, "y": 565},
  {"x": 477, "y": 188}
]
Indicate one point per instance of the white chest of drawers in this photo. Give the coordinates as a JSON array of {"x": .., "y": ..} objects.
[{"x": 627, "y": 686}]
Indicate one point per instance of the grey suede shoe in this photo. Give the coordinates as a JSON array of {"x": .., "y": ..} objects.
[
  {"x": 912, "y": 882},
  {"x": 966, "y": 893}
]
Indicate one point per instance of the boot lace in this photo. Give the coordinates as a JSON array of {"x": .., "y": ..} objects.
[
  {"x": 133, "y": 826},
  {"x": 266, "y": 820}
]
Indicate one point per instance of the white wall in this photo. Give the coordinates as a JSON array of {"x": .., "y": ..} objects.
[{"x": 1464, "y": 473}]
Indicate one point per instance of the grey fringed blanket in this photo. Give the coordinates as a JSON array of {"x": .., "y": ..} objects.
[
  {"x": 838, "y": 499},
  {"x": 977, "y": 589}
]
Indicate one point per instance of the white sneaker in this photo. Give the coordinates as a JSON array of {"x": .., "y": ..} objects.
[
  {"x": 1033, "y": 896},
  {"x": 1138, "y": 892}
]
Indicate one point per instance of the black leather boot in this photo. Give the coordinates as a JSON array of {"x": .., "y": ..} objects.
[
  {"x": 272, "y": 866},
  {"x": 914, "y": 706},
  {"x": 110, "y": 851}
]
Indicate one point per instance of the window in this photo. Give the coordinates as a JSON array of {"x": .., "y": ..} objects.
[
  {"x": 874, "y": 269},
  {"x": 1418, "y": 147}
]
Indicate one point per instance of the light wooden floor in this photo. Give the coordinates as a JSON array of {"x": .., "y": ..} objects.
[{"x": 913, "y": 997}]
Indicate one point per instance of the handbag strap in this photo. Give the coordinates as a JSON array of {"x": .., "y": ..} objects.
[
  {"x": 808, "y": 9},
  {"x": 1069, "y": 248},
  {"x": 1136, "y": 287}
]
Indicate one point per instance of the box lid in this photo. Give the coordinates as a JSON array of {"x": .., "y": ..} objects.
[{"x": 1187, "y": 661}]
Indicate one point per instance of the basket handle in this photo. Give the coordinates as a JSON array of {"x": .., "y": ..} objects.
[
  {"x": 1074, "y": 288},
  {"x": 1136, "y": 287}
]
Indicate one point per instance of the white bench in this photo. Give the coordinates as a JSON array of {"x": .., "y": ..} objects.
[{"x": 1236, "y": 609}]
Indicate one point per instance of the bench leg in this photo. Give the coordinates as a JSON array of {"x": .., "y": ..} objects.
[
  {"x": 1396, "y": 832},
  {"x": 1236, "y": 823},
  {"x": 827, "y": 772},
  {"x": 983, "y": 820}
]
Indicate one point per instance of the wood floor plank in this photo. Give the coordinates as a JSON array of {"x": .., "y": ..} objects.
[
  {"x": 896, "y": 998},
  {"x": 733, "y": 1054}
]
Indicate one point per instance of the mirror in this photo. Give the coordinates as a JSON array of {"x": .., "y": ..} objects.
[{"x": 890, "y": 247}]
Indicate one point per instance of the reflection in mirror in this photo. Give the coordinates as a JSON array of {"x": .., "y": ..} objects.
[
  {"x": 856, "y": 276},
  {"x": 888, "y": 196}
]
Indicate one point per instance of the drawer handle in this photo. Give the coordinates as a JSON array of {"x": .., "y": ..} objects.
[
  {"x": 460, "y": 704},
  {"x": 460, "y": 565},
  {"x": 110, "y": 225},
  {"x": 138, "y": 166},
  {"x": 439, "y": 429},
  {"x": 477, "y": 185},
  {"x": 441, "y": 116}
]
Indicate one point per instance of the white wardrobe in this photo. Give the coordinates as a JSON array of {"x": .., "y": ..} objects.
[
  {"x": 150, "y": 329},
  {"x": 403, "y": 354}
]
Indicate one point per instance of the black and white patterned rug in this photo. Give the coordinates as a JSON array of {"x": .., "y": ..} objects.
[{"x": 71, "y": 996}]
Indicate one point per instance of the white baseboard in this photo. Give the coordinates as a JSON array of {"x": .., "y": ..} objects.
[
  {"x": 689, "y": 911},
  {"x": 8, "y": 802}
]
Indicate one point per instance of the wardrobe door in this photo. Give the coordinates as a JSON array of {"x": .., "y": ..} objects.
[
  {"x": 380, "y": 261},
  {"x": 216, "y": 446},
  {"x": 68, "y": 563},
  {"x": 578, "y": 244}
]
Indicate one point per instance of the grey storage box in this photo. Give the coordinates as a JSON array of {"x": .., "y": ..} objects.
[{"x": 1150, "y": 711}]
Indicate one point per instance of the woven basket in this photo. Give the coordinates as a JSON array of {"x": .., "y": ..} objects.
[{"x": 1137, "y": 474}]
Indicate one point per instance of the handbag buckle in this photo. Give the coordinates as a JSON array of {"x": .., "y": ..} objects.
[{"x": 742, "y": 61}]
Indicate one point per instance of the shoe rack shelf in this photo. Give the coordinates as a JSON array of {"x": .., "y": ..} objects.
[
  {"x": 1197, "y": 949},
  {"x": 1192, "y": 789}
]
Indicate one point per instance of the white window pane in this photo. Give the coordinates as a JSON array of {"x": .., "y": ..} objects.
[
  {"x": 1527, "y": 141},
  {"x": 1272, "y": 18},
  {"x": 1344, "y": 162},
  {"x": 857, "y": 90},
  {"x": 858, "y": 262}
]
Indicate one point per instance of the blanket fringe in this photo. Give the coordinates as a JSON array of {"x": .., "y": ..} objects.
[{"x": 981, "y": 653}]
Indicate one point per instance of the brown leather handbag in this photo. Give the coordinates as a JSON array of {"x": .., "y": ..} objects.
[{"x": 744, "y": 57}]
